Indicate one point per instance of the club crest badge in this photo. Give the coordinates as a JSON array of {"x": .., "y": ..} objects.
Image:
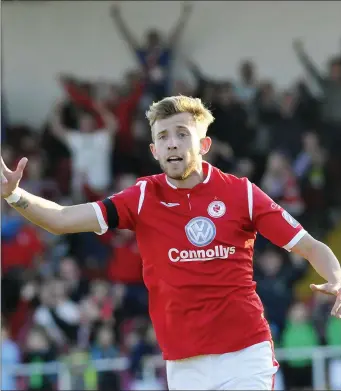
[{"x": 216, "y": 209}]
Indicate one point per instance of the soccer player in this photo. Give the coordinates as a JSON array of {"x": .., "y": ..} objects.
[{"x": 195, "y": 228}]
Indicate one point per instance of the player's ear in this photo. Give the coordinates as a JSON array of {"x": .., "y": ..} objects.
[
  {"x": 205, "y": 145},
  {"x": 153, "y": 151}
]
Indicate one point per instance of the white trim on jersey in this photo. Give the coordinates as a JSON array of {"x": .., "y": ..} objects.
[
  {"x": 295, "y": 240},
  {"x": 208, "y": 177},
  {"x": 208, "y": 173},
  {"x": 170, "y": 184},
  {"x": 250, "y": 198},
  {"x": 100, "y": 218},
  {"x": 142, "y": 185}
]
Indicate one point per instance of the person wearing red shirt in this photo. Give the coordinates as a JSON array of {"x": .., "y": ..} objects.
[
  {"x": 124, "y": 263},
  {"x": 122, "y": 107},
  {"x": 21, "y": 250},
  {"x": 195, "y": 227}
]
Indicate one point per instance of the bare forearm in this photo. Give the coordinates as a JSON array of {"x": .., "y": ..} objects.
[
  {"x": 320, "y": 256},
  {"x": 55, "y": 218},
  {"x": 124, "y": 30},
  {"x": 39, "y": 211},
  {"x": 323, "y": 260},
  {"x": 309, "y": 65}
]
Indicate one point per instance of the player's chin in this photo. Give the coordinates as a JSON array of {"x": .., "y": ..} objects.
[{"x": 175, "y": 171}]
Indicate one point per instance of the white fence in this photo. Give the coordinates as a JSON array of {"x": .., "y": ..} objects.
[{"x": 318, "y": 355}]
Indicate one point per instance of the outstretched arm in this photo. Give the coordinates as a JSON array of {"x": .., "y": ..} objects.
[
  {"x": 323, "y": 260},
  {"x": 277, "y": 225},
  {"x": 108, "y": 117},
  {"x": 57, "y": 127},
  {"x": 180, "y": 26},
  {"x": 46, "y": 214},
  {"x": 201, "y": 80},
  {"x": 307, "y": 62},
  {"x": 123, "y": 28}
]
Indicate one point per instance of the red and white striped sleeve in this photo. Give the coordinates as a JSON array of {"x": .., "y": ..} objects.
[
  {"x": 271, "y": 220},
  {"x": 121, "y": 210}
]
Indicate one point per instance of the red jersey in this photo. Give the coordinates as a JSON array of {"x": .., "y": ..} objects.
[{"x": 197, "y": 249}]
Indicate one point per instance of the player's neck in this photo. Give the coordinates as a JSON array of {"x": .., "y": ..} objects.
[{"x": 196, "y": 177}]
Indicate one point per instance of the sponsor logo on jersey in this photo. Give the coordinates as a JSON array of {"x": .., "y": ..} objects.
[
  {"x": 289, "y": 219},
  {"x": 200, "y": 231},
  {"x": 216, "y": 209},
  {"x": 218, "y": 252}
]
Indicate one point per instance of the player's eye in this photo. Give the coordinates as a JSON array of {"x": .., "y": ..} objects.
[
  {"x": 162, "y": 137},
  {"x": 182, "y": 135}
]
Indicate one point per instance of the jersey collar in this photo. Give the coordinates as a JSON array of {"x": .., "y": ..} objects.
[{"x": 207, "y": 170}]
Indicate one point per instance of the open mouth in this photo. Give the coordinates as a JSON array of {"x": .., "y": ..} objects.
[{"x": 174, "y": 159}]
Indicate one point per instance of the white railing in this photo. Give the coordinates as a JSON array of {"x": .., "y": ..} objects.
[{"x": 318, "y": 356}]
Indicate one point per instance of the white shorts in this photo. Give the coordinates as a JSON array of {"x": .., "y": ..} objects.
[{"x": 252, "y": 368}]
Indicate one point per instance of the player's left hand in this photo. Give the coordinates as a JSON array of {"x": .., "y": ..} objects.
[{"x": 331, "y": 289}]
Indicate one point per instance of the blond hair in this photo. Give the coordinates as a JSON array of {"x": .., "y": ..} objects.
[{"x": 180, "y": 104}]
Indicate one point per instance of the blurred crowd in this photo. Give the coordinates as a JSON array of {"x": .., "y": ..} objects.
[{"x": 81, "y": 297}]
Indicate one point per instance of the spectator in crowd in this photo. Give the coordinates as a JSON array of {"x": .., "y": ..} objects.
[
  {"x": 307, "y": 105},
  {"x": 230, "y": 128},
  {"x": 105, "y": 347},
  {"x": 124, "y": 263},
  {"x": 57, "y": 313},
  {"x": 156, "y": 55},
  {"x": 247, "y": 86},
  {"x": 330, "y": 85},
  {"x": 299, "y": 332},
  {"x": 266, "y": 105},
  {"x": 76, "y": 285},
  {"x": 276, "y": 278},
  {"x": 96, "y": 308},
  {"x": 34, "y": 180},
  {"x": 143, "y": 347},
  {"x": 122, "y": 104},
  {"x": 21, "y": 243},
  {"x": 205, "y": 86},
  {"x": 10, "y": 355},
  {"x": 38, "y": 350},
  {"x": 321, "y": 306},
  {"x": 312, "y": 153},
  {"x": 83, "y": 375},
  {"x": 100, "y": 300},
  {"x": 280, "y": 183},
  {"x": 90, "y": 148},
  {"x": 311, "y": 167},
  {"x": 286, "y": 132}
]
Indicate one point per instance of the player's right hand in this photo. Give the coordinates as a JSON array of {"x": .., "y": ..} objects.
[{"x": 10, "y": 179}]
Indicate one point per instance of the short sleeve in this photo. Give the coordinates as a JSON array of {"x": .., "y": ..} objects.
[
  {"x": 271, "y": 220},
  {"x": 121, "y": 210}
]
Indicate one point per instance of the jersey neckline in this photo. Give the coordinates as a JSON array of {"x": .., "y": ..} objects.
[{"x": 207, "y": 170}]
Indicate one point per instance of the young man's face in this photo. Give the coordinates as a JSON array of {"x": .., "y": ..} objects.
[{"x": 179, "y": 143}]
